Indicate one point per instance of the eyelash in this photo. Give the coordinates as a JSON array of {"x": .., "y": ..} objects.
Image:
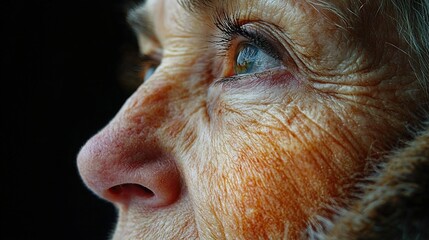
[
  {"x": 146, "y": 60},
  {"x": 231, "y": 28}
]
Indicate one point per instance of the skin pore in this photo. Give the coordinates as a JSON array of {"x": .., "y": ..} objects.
[{"x": 217, "y": 145}]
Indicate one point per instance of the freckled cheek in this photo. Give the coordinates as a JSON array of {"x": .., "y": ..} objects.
[
  {"x": 288, "y": 152},
  {"x": 287, "y": 157},
  {"x": 271, "y": 184}
]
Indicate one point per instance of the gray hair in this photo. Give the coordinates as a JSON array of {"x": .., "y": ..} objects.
[{"x": 412, "y": 20}]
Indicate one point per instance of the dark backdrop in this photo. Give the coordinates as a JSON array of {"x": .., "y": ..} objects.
[{"x": 59, "y": 86}]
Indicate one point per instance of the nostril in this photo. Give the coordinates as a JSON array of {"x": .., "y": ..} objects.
[
  {"x": 126, "y": 166},
  {"x": 129, "y": 190}
]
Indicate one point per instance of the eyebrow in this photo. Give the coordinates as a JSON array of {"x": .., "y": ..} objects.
[
  {"x": 139, "y": 20},
  {"x": 138, "y": 15}
]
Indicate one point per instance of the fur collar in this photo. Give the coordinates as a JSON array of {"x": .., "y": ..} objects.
[{"x": 395, "y": 204}]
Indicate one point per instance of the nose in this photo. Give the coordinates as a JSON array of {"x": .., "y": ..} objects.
[{"x": 125, "y": 163}]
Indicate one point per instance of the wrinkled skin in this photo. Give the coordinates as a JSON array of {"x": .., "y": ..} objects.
[{"x": 256, "y": 157}]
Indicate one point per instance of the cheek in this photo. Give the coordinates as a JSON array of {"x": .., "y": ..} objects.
[
  {"x": 281, "y": 178},
  {"x": 285, "y": 162}
]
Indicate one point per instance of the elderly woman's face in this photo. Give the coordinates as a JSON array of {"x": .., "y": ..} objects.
[{"x": 260, "y": 115}]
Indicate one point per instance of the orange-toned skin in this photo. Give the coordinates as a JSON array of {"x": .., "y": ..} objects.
[{"x": 247, "y": 160}]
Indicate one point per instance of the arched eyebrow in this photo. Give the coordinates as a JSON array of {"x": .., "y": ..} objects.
[{"x": 140, "y": 21}]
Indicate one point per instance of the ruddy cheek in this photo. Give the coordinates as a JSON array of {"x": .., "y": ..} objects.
[
  {"x": 284, "y": 190},
  {"x": 266, "y": 196},
  {"x": 290, "y": 164}
]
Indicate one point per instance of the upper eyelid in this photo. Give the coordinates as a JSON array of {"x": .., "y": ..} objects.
[
  {"x": 231, "y": 28},
  {"x": 145, "y": 60},
  {"x": 259, "y": 39},
  {"x": 154, "y": 55},
  {"x": 149, "y": 47}
]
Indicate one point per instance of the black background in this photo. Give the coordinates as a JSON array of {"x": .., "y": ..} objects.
[{"x": 59, "y": 74}]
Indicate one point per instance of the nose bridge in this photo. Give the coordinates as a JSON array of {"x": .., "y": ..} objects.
[
  {"x": 147, "y": 106},
  {"x": 133, "y": 131},
  {"x": 126, "y": 159}
]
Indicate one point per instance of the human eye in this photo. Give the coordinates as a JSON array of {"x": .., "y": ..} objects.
[
  {"x": 135, "y": 69},
  {"x": 248, "y": 49},
  {"x": 147, "y": 67},
  {"x": 252, "y": 59}
]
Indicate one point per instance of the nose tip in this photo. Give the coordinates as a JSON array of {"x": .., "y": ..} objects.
[{"x": 125, "y": 169}]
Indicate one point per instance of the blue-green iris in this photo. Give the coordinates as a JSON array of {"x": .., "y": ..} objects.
[{"x": 252, "y": 59}]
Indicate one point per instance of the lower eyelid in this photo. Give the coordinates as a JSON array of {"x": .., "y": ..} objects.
[{"x": 273, "y": 77}]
